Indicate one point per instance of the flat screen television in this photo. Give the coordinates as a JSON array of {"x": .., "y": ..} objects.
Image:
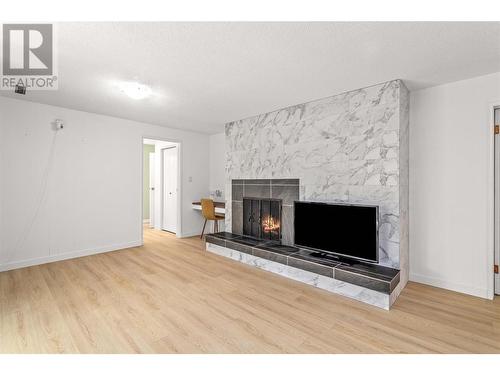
[{"x": 341, "y": 229}]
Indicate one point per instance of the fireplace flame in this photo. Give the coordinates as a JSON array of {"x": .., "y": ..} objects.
[{"x": 270, "y": 224}]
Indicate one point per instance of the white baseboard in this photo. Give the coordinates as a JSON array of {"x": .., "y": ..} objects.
[
  {"x": 145, "y": 221},
  {"x": 190, "y": 234},
  {"x": 456, "y": 287},
  {"x": 70, "y": 255},
  {"x": 195, "y": 233}
]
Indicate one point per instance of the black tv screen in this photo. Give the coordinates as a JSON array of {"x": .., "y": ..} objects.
[{"x": 346, "y": 230}]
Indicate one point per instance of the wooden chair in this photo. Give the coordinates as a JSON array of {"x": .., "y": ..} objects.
[{"x": 208, "y": 212}]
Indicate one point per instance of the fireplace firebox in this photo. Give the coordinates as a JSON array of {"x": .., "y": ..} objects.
[{"x": 262, "y": 218}]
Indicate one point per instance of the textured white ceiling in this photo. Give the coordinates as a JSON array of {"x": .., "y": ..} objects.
[{"x": 207, "y": 74}]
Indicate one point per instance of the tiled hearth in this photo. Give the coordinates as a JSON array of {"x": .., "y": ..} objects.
[{"x": 369, "y": 283}]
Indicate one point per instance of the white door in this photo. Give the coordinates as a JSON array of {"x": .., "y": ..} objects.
[
  {"x": 497, "y": 202},
  {"x": 169, "y": 157},
  {"x": 152, "y": 172}
]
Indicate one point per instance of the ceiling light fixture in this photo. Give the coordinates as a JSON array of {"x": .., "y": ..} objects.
[{"x": 136, "y": 90}]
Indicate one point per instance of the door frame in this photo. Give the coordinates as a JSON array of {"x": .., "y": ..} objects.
[
  {"x": 162, "y": 158},
  {"x": 496, "y": 201},
  {"x": 491, "y": 228},
  {"x": 179, "y": 181},
  {"x": 152, "y": 189}
]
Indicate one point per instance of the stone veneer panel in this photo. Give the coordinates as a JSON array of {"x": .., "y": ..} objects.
[{"x": 351, "y": 147}]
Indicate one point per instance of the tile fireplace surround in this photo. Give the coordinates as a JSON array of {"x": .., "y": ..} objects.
[
  {"x": 349, "y": 148},
  {"x": 285, "y": 189}
]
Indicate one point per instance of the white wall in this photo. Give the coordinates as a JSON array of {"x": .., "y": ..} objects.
[
  {"x": 217, "y": 161},
  {"x": 94, "y": 191},
  {"x": 450, "y": 185}
]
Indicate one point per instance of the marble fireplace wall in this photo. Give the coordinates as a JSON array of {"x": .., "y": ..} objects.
[
  {"x": 351, "y": 147},
  {"x": 404, "y": 186}
]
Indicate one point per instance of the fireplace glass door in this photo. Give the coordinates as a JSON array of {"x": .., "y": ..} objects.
[{"x": 262, "y": 218}]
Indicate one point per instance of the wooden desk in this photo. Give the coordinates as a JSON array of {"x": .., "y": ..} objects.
[{"x": 220, "y": 207}]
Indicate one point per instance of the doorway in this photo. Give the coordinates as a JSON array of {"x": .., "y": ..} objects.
[
  {"x": 496, "y": 118},
  {"x": 161, "y": 185}
]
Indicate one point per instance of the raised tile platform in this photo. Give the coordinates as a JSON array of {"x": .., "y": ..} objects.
[{"x": 369, "y": 283}]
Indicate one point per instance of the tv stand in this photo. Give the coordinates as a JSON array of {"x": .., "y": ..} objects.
[{"x": 323, "y": 255}]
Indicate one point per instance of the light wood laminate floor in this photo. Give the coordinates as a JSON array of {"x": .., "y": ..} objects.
[{"x": 171, "y": 296}]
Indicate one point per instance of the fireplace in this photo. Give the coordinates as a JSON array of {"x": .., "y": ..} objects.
[
  {"x": 262, "y": 218},
  {"x": 268, "y": 211}
]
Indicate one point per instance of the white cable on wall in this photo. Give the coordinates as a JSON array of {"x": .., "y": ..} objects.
[{"x": 42, "y": 195}]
